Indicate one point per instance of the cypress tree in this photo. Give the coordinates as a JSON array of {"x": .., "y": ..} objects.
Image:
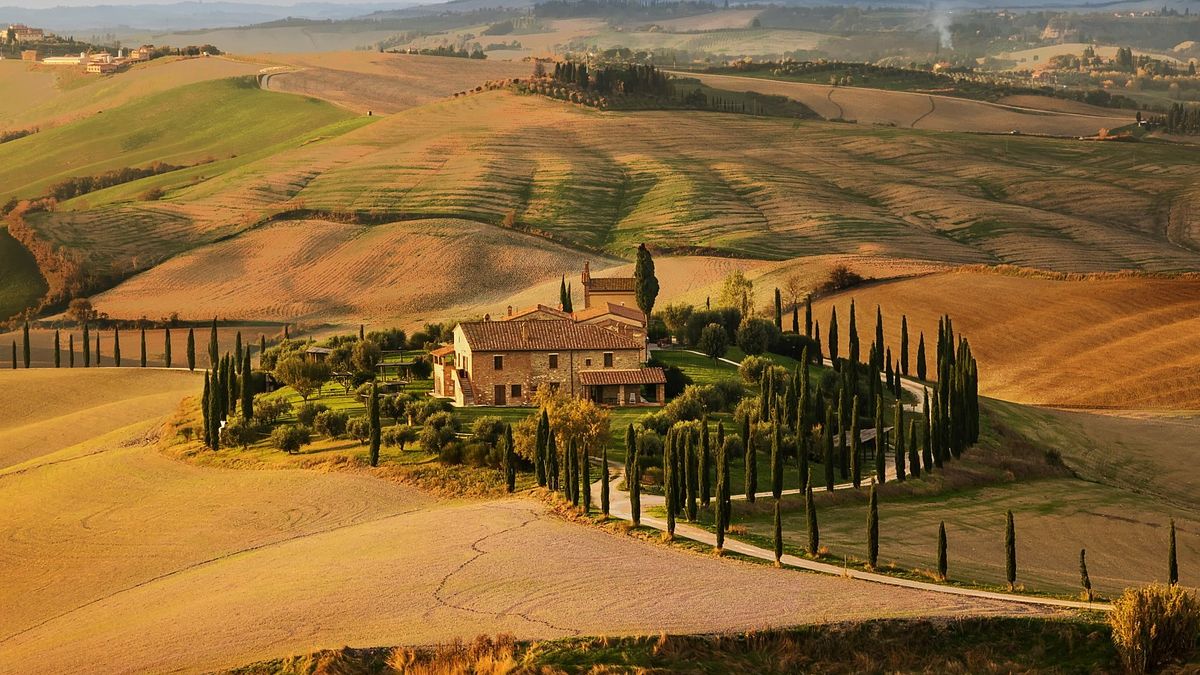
[
  {"x": 14, "y": 354},
  {"x": 645, "y": 281},
  {"x": 57, "y": 349},
  {"x": 634, "y": 481},
  {"x": 373, "y": 412},
  {"x": 167, "y": 347},
  {"x": 669, "y": 481},
  {"x": 204, "y": 410},
  {"x": 829, "y": 449},
  {"x": 1010, "y": 552},
  {"x": 539, "y": 456},
  {"x": 70, "y": 350},
  {"x": 914, "y": 450},
  {"x": 1084, "y": 579},
  {"x": 921, "y": 358},
  {"x": 573, "y": 472},
  {"x": 873, "y": 529},
  {"x": 808, "y": 322},
  {"x": 778, "y": 535},
  {"x": 97, "y": 349},
  {"x": 25, "y": 343},
  {"x": 842, "y": 459},
  {"x": 87, "y": 347},
  {"x": 233, "y": 391},
  {"x": 820, "y": 359},
  {"x": 833, "y": 338},
  {"x": 143, "y": 361},
  {"x": 705, "y": 464},
  {"x": 690, "y": 470},
  {"x": 879, "y": 343},
  {"x": 927, "y": 432},
  {"x": 262, "y": 348},
  {"x": 247, "y": 389},
  {"x": 286, "y": 333},
  {"x": 898, "y": 434},
  {"x": 1172, "y": 561},
  {"x": 803, "y": 402},
  {"x": 855, "y": 450},
  {"x": 853, "y": 353},
  {"x": 510, "y": 454},
  {"x": 778, "y": 310},
  {"x": 751, "y": 466},
  {"x": 237, "y": 350},
  {"x": 191, "y": 349},
  {"x": 904, "y": 345},
  {"x": 552, "y": 480},
  {"x": 213, "y": 351},
  {"x": 880, "y": 446},
  {"x": 796, "y": 319},
  {"x": 776, "y": 462},
  {"x": 810, "y": 509},
  {"x": 116, "y": 347},
  {"x": 942, "y": 566},
  {"x": 215, "y": 414},
  {"x": 604, "y": 480}
]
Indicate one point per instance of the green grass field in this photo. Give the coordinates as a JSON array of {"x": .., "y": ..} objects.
[
  {"x": 190, "y": 124},
  {"x": 21, "y": 284}
]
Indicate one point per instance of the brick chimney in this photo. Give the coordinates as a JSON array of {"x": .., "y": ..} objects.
[
  {"x": 586, "y": 277},
  {"x": 510, "y": 310},
  {"x": 524, "y": 331}
]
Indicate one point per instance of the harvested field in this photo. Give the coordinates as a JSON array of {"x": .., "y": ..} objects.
[
  {"x": 1127, "y": 342},
  {"x": 87, "y": 404},
  {"x": 922, "y": 111},
  {"x": 730, "y": 18},
  {"x": 1027, "y": 58},
  {"x": 114, "y": 550},
  {"x": 41, "y": 343},
  {"x": 386, "y": 83},
  {"x": 316, "y": 271}
]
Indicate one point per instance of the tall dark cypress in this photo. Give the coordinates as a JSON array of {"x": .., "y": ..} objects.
[
  {"x": 97, "y": 355},
  {"x": 237, "y": 351},
  {"x": 914, "y": 450},
  {"x": 205, "y": 407},
  {"x": 542, "y": 442},
  {"x": 573, "y": 453},
  {"x": 751, "y": 465},
  {"x": 705, "y": 464},
  {"x": 776, "y": 461},
  {"x": 669, "y": 480},
  {"x": 87, "y": 347},
  {"x": 510, "y": 454},
  {"x": 810, "y": 510},
  {"x": 942, "y": 564},
  {"x": 778, "y": 535},
  {"x": 117, "y": 346},
  {"x": 552, "y": 476},
  {"x": 604, "y": 480},
  {"x": 842, "y": 450},
  {"x": 262, "y": 348},
  {"x": 191, "y": 349},
  {"x": 833, "y": 338},
  {"x": 247, "y": 389},
  {"x": 898, "y": 435},
  {"x": 143, "y": 361},
  {"x": 213, "y": 351},
  {"x": 1010, "y": 551},
  {"x": 724, "y": 450},
  {"x": 167, "y": 347},
  {"x": 1084, "y": 579},
  {"x": 926, "y": 435},
  {"x": 904, "y": 345},
  {"x": 1172, "y": 561},
  {"x": 778, "y": 310},
  {"x": 585, "y": 480},
  {"x": 855, "y": 449},
  {"x": 634, "y": 481},
  {"x": 25, "y": 343},
  {"x": 828, "y": 440},
  {"x": 808, "y": 321},
  {"x": 853, "y": 353},
  {"x": 873, "y": 529},
  {"x": 70, "y": 350},
  {"x": 215, "y": 413},
  {"x": 796, "y": 319},
  {"x": 879, "y": 343},
  {"x": 921, "y": 373},
  {"x": 690, "y": 472},
  {"x": 57, "y": 349},
  {"x": 880, "y": 445}
]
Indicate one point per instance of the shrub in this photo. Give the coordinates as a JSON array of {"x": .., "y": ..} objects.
[
  {"x": 792, "y": 345},
  {"x": 756, "y": 336},
  {"x": 422, "y": 409},
  {"x": 713, "y": 341},
  {"x": 687, "y": 406},
  {"x": 400, "y": 435},
  {"x": 392, "y": 338},
  {"x": 359, "y": 429},
  {"x": 451, "y": 453},
  {"x": 839, "y": 278},
  {"x": 331, "y": 423},
  {"x": 422, "y": 368},
  {"x": 487, "y": 429},
  {"x": 752, "y": 367},
  {"x": 153, "y": 194},
  {"x": 439, "y": 430},
  {"x": 238, "y": 432},
  {"x": 728, "y": 392},
  {"x": 1155, "y": 625},
  {"x": 290, "y": 438},
  {"x": 307, "y": 413},
  {"x": 656, "y": 422},
  {"x": 268, "y": 410}
]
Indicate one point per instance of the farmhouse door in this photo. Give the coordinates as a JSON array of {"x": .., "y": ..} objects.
[{"x": 499, "y": 396}]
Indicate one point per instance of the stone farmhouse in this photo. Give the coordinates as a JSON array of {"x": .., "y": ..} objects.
[{"x": 597, "y": 353}]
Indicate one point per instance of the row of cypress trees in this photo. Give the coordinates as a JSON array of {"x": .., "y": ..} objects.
[
  {"x": 93, "y": 355},
  {"x": 568, "y": 471}
]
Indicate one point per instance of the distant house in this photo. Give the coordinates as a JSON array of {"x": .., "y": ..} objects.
[
  {"x": 142, "y": 53},
  {"x": 65, "y": 60},
  {"x": 601, "y": 290},
  {"x": 102, "y": 67},
  {"x": 23, "y": 33},
  {"x": 504, "y": 363},
  {"x": 317, "y": 354}
]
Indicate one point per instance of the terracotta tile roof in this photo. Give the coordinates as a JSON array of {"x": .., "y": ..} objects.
[
  {"x": 632, "y": 376},
  {"x": 612, "y": 284},
  {"x": 631, "y": 313},
  {"x": 545, "y": 309},
  {"x": 530, "y": 336},
  {"x": 318, "y": 350},
  {"x": 444, "y": 350}
]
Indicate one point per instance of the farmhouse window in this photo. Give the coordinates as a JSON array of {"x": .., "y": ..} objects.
[
  {"x": 608, "y": 359},
  {"x": 498, "y": 362},
  {"x": 554, "y": 387},
  {"x": 516, "y": 391},
  {"x": 587, "y": 361},
  {"x": 554, "y": 362}
]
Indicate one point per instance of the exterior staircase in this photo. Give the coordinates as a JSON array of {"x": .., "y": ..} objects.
[{"x": 464, "y": 386}]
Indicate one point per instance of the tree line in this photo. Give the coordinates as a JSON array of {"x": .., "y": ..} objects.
[{"x": 631, "y": 79}]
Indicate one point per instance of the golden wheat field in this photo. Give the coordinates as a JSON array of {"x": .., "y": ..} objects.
[
  {"x": 385, "y": 83},
  {"x": 688, "y": 183},
  {"x": 156, "y": 553},
  {"x": 1129, "y": 341}
]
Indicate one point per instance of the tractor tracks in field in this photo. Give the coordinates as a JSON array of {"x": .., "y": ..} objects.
[{"x": 932, "y": 108}]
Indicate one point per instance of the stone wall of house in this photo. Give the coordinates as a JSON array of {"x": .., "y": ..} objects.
[
  {"x": 529, "y": 370},
  {"x": 594, "y": 298}
]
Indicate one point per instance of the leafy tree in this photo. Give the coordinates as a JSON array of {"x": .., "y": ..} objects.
[
  {"x": 302, "y": 375},
  {"x": 755, "y": 336},
  {"x": 645, "y": 282},
  {"x": 290, "y": 438},
  {"x": 365, "y": 355},
  {"x": 873, "y": 529},
  {"x": 714, "y": 341},
  {"x": 942, "y": 566},
  {"x": 1084, "y": 579},
  {"x": 238, "y": 432},
  {"x": 332, "y": 423},
  {"x": 738, "y": 291},
  {"x": 373, "y": 413},
  {"x": 1010, "y": 552},
  {"x": 191, "y": 349},
  {"x": 167, "y": 347}
]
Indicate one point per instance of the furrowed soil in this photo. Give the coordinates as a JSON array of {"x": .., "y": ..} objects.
[{"x": 114, "y": 551}]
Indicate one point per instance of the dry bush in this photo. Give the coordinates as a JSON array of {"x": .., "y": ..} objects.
[
  {"x": 482, "y": 656},
  {"x": 1155, "y": 625}
]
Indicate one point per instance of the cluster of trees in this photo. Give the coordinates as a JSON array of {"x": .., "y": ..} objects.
[
  {"x": 81, "y": 185},
  {"x": 6, "y": 136},
  {"x": 631, "y": 79},
  {"x": 447, "y": 50},
  {"x": 1179, "y": 119},
  {"x": 230, "y": 386}
]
